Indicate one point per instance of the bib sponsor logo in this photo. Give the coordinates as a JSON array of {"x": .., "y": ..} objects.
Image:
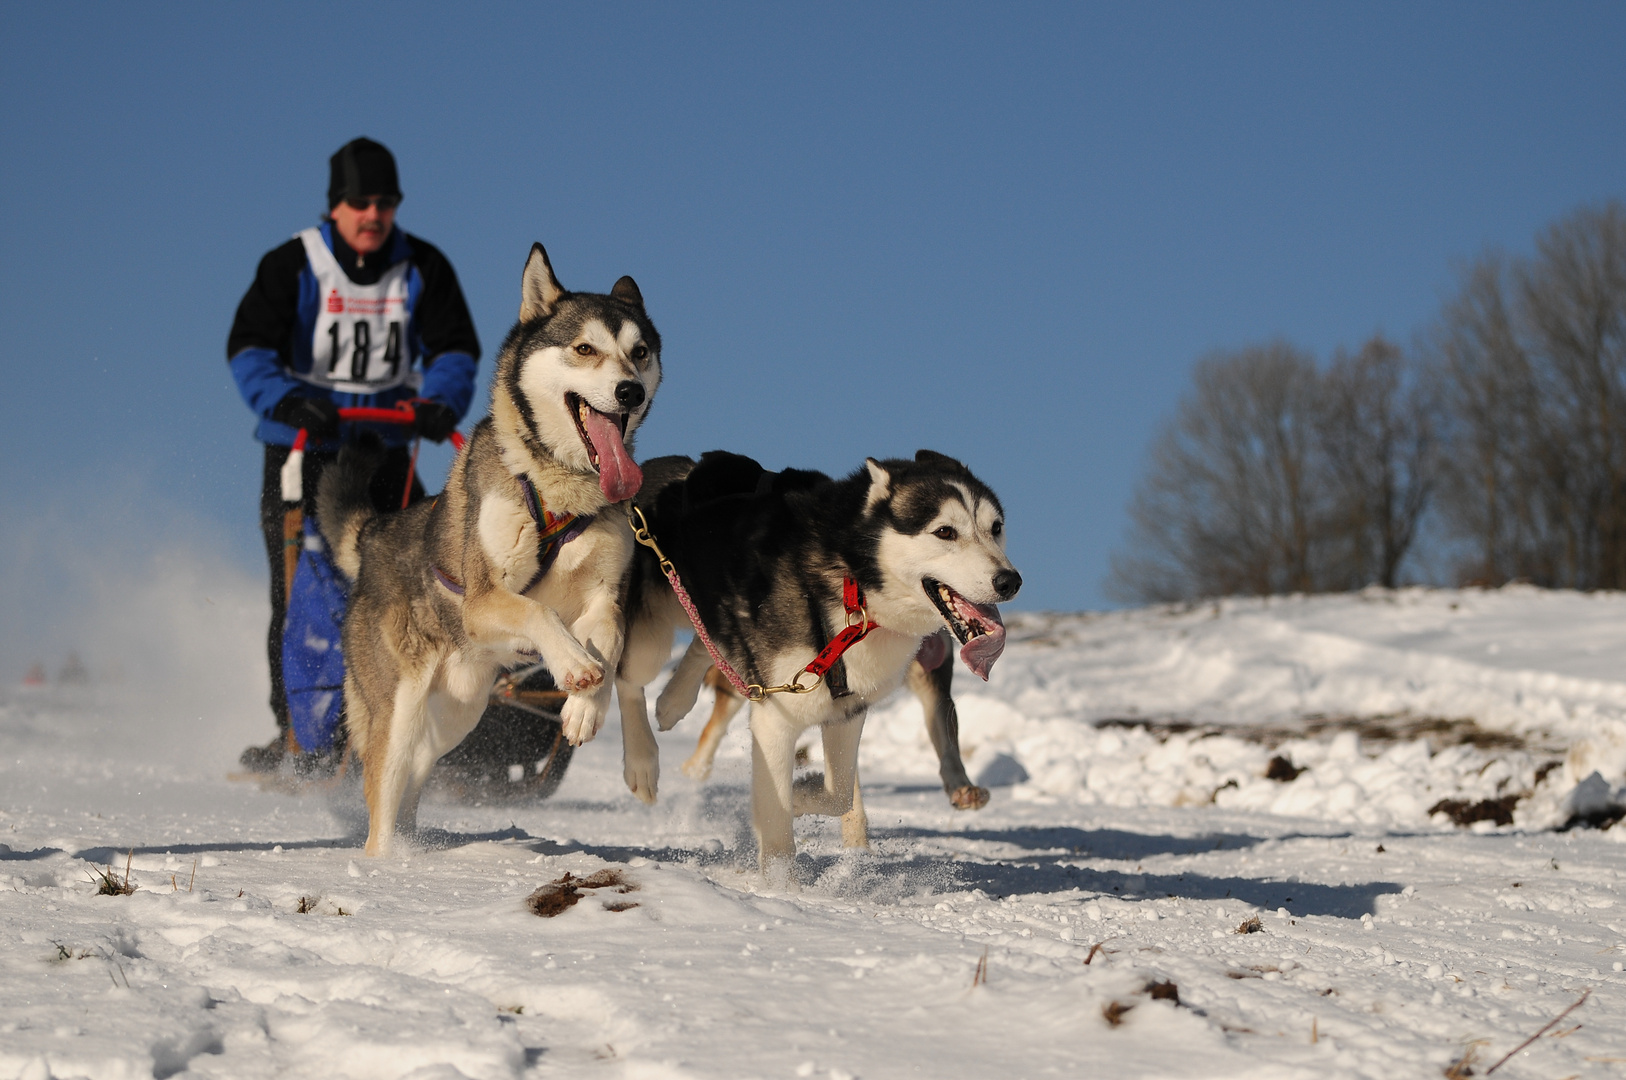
[
  {"x": 367, "y": 305},
  {"x": 335, "y": 302}
]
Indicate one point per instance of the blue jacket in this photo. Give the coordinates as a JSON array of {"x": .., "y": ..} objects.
[{"x": 271, "y": 337}]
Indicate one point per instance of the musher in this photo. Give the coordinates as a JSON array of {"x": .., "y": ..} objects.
[{"x": 353, "y": 312}]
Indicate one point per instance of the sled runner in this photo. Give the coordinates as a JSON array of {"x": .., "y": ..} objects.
[{"x": 517, "y": 751}]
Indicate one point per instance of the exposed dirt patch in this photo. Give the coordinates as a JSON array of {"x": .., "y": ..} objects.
[
  {"x": 1465, "y": 813},
  {"x": 559, "y": 895},
  {"x": 1441, "y": 732},
  {"x": 1282, "y": 770},
  {"x": 1601, "y": 820},
  {"x": 1164, "y": 991}
]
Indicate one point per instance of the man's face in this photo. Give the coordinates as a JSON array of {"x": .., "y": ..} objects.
[{"x": 365, "y": 229}]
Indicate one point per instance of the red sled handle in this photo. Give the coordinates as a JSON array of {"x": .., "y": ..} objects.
[{"x": 402, "y": 412}]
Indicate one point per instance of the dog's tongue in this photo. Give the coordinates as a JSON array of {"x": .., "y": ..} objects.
[
  {"x": 619, "y": 477},
  {"x": 981, "y": 651}
]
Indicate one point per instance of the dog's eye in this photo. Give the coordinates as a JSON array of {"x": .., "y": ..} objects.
[
  {"x": 639, "y": 352},
  {"x": 947, "y": 532},
  {"x": 584, "y": 349},
  {"x": 996, "y": 528}
]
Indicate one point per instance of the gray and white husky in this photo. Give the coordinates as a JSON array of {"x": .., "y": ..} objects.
[
  {"x": 522, "y": 554},
  {"x": 764, "y": 557}
]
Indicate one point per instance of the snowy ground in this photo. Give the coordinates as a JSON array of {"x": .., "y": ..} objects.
[{"x": 1390, "y": 943}]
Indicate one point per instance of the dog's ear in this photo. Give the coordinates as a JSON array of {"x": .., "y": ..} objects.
[
  {"x": 626, "y": 291},
  {"x": 539, "y": 290},
  {"x": 880, "y": 484},
  {"x": 932, "y": 457}
]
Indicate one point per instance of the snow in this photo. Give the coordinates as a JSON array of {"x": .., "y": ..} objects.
[{"x": 1132, "y": 813}]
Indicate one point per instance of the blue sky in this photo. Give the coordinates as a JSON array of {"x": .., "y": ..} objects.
[{"x": 1001, "y": 231}]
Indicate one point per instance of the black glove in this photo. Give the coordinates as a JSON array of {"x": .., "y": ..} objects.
[
  {"x": 435, "y": 421},
  {"x": 319, "y": 416}
]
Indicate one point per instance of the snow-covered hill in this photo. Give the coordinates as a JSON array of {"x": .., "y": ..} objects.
[
  {"x": 1394, "y": 700},
  {"x": 1145, "y": 834}
]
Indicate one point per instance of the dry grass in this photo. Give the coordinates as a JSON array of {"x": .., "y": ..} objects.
[
  {"x": 1250, "y": 925},
  {"x": 1548, "y": 1026},
  {"x": 980, "y": 977},
  {"x": 65, "y": 953},
  {"x": 1463, "y": 1066},
  {"x": 1114, "y": 1011},
  {"x": 311, "y": 905},
  {"x": 108, "y": 884}
]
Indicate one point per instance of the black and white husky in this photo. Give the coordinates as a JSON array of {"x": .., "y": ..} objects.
[{"x": 765, "y": 557}]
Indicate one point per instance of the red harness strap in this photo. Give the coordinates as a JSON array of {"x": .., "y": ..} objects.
[{"x": 852, "y": 598}]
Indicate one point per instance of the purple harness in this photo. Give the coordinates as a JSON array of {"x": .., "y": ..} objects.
[{"x": 553, "y": 532}]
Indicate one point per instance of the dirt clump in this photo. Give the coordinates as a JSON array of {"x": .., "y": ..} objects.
[
  {"x": 561, "y": 894},
  {"x": 1465, "y": 813}
]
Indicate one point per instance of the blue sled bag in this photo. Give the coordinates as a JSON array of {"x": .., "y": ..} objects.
[{"x": 312, "y": 660}]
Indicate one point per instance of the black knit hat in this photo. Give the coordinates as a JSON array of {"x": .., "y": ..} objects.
[{"x": 360, "y": 168}]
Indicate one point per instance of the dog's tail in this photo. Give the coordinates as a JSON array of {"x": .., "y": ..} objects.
[{"x": 343, "y": 503}]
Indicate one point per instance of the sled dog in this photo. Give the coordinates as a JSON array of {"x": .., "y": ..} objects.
[
  {"x": 766, "y": 559},
  {"x": 930, "y": 676},
  {"x": 522, "y": 554}
]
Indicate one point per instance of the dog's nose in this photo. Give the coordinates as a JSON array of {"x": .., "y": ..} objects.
[
  {"x": 1006, "y": 582},
  {"x": 629, "y": 393}
]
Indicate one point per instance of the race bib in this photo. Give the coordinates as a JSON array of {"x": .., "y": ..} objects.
[{"x": 359, "y": 345}]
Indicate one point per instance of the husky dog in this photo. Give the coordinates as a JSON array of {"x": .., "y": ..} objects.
[
  {"x": 929, "y": 678},
  {"x": 765, "y": 557},
  {"x": 520, "y": 555}
]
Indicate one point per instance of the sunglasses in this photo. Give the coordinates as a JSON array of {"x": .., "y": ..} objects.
[{"x": 383, "y": 202}]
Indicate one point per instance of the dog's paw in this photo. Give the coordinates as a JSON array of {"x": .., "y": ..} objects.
[
  {"x": 697, "y": 767},
  {"x": 667, "y": 717},
  {"x": 970, "y": 797},
  {"x": 674, "y": 704},
  {"x": 642, "y": 774},
  {"x": 582, "y": 716},
  {"x": 779, "y": 869},
  {"x": 585, "y": 674}
]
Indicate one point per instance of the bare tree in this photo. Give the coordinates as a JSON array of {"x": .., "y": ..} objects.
[
  {"x": 1490, "y": 398},
  {"x": 1375, "y": 427},
  {"x": 1228, "y": 504},
  {"x": 1274, "y": 478},
  {"x": 1533, "y": 358},
  {"x": 1573, "y": 299}
]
